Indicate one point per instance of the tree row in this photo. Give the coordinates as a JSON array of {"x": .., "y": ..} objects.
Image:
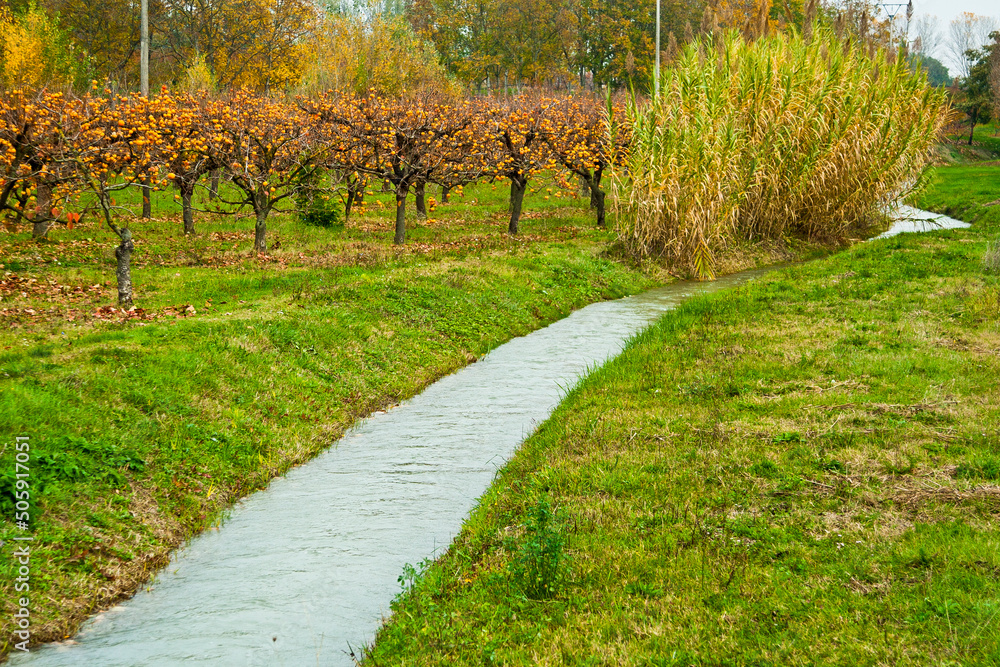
[{"x": 64, "y": 156}]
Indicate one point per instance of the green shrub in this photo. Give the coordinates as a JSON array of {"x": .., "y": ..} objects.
[{"x": 317, "y": 207}]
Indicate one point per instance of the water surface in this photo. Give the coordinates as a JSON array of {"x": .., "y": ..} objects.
[{"x": 910, "y": 220}]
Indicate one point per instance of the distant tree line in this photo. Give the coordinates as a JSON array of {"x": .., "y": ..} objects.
[
  {"x": 394, "y": 47},
  {"x": 287, "y": 45},
  {"x": 264, "y": 45}
]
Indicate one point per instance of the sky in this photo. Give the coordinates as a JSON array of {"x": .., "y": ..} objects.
[
  {"x": 946, "y": 10},
  {"x": 949, "y": 9}
]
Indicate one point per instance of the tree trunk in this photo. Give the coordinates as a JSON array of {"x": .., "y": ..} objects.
[
  {"x": 39, "y": 229},
  {"x": 147, "y": 204},
  {"x": 213, "y": 189},
  {"x": 349, "y": 201},
  {"x": 124, "y": 269},
  {"x": 518, "y": 185},
  {"x": 401, "y": 191},
  {"x": 597, "y": 197},
  {"x": 421, "y": 203},
  {"x": 188, "y": 210},
  {"x": 260, "y": 231},
  {"x": 445, "y": 191},
  {"x": 43, "y": 209},
  {"x": 972, "y": 126}
]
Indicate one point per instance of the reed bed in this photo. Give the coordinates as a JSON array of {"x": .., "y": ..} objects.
[{"x": 758, "y": 140}]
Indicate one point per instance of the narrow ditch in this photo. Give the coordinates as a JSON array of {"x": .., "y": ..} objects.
[{"x": 302, "y": 572}]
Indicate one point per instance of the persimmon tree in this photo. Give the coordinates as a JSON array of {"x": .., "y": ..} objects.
[
  {"x": 354, "y": 186},
  {"x": 467, "y": 156},
  {"x": 518, "y": 148},
  {"x": 34, "y": 176},
  {"x": 348, "y": 157},
  {"x": 111, "y": 143},
  {"x": 269, "y": 151},
  {"x": 183, "y": 152},
  {"x": 459, "y": 157},
  {"x": 404, "y": 142},
  {"x": 577, "y": 136}
]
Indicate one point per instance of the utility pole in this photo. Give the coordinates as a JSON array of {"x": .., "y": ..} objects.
[
  {"x": 144, "y": 48},
  {"x": 147, "y": 204},
  {"x": 656, "y": 73},
  {"x": 891, "y": 10}
]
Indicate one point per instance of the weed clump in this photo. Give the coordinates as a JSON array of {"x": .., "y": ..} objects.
[{"x": 540, "y": 564}]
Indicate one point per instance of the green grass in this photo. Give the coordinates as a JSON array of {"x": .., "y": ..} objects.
[
  {"x": 962, "y": 190},
  {"x": 985, "y": 144},
  {"x": 805, "y": 470},
  {"x": 144, "y": 429}
]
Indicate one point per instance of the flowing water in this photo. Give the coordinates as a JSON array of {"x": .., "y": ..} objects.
[
  {"x": 303, "y": 571},
  {"x": 909, "y": 219}
]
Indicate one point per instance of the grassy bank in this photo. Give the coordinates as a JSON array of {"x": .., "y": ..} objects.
[
  {"x": 805, "y": 470},
  {"x": 145, "y": 426}
]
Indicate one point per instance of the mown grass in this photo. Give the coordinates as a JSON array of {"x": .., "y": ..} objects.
[
  {"x": 145, "y": 427},
  {"x": 805, "y": 470}
]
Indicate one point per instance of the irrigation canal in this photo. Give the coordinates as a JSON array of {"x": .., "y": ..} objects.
[{"x": 306, "y": 569}]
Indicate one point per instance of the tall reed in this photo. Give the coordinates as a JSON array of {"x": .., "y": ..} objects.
[{"x": 758, "y": 140}]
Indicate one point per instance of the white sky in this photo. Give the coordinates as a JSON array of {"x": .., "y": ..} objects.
[
  {"x": 949, "y": 9},
  {"x": 946, "y": 11}
]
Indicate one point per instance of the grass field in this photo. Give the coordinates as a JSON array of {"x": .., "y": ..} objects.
[
  {"x": 985, "y": 144},
  {"x": 146, "y": 426},
  {"x": 805, "y": 470}
]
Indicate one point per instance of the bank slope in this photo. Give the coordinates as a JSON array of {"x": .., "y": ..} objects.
[
  {"x": 143, "y": 433},
  {"x": 804, "y": 470}
]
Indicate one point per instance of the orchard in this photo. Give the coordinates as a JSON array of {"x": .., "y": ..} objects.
[{"x": 64, "y": 156}]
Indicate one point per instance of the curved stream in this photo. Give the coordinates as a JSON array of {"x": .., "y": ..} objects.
[{"x": 307, "y": 568}]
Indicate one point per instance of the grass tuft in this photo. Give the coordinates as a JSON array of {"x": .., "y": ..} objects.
[{"x": 991, "y": 258}]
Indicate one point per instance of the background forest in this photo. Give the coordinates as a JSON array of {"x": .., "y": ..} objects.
[{"x": 389, "y": 45}]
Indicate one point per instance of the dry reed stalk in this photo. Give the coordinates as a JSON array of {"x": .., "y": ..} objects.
[{"x": 758, "y": 140}]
